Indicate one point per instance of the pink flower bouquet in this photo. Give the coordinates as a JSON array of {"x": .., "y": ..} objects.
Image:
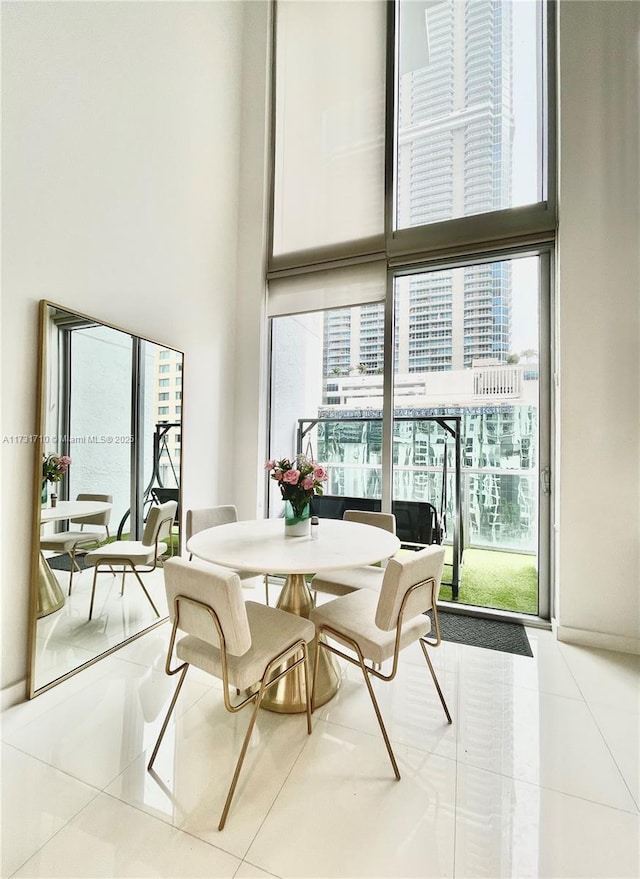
[
  {"x": 298, "y": 480},
  {"x": 54, "y": 467}
]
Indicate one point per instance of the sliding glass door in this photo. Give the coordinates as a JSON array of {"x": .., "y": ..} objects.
[{"x": 468, "y": 438}]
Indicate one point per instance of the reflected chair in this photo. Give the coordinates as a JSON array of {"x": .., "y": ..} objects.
[
  {"x": 342, "y": 582},
  {"x": 211, "y": 517},
  {"x": 70, "y": 541},
  {"x": 240, "y": 643},
  {"x": 376, "y": 626},
  {"x": 141, "y": 556}
]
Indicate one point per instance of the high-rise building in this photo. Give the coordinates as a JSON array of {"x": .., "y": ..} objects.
[{"x": 455, "y": 109}]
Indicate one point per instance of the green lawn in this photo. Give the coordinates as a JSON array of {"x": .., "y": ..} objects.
[{"x": 502, "y": 580}]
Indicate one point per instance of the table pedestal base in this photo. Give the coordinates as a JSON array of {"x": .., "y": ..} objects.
[
  {"x": 50, "y": 595},
  {"x": 288, "y": 696}
]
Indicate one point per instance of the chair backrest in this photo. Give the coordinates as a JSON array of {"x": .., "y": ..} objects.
[
  {"x": 159, "y": 522},
  {"x": 378, "y": 520},
  {"x": 209, "y": 517},
  {"x": 99, "y": 518},
  {"x": 403, "y": 572},
  {"x": 218, "y": 588}
]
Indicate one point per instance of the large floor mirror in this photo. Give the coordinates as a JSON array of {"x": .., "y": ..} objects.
[{"x": 109, "y": 441}]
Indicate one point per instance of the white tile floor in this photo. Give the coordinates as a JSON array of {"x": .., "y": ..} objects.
[{"x": 538, "y": 776}]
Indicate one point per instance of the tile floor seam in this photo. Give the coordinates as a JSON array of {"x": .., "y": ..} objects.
[
  {"x": 588, "y": 703},
  {"x": 256, "y": 867},
  {"x": 279, "y": 791},
  {"x": 58, "y": 831},
  {"x": 555, "y": 790},
  {"x": 397, "y": 744},
  {"x": 170, "y": 825},
  {"x": 613, "y": 757},
  {"x": 64, "y": 772},
  {"x": 455, "y": 813},
  {"x": 377, "y": 735}
]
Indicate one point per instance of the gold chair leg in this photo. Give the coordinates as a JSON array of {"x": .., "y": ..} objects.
[
  {"x": 374, "y": 702},
  {"x": 166, "y": 720},
  {"x": 243, "y": 751},
  {"x": 316, "y": 663},
  {"x": 93, "y": 590},
  {"x": 266, "y": 588},
  {"x": 144, "y": 589},
  {"x": 71, "y": 556},
  {"x": 435, "y": 680},
  {"x": 307, "y": 687},
  {"x": 124, "y": 571},
  {"x": 252, "y": 722}
]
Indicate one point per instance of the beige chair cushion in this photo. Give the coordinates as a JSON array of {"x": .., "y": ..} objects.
[
  {"x": 347, "y": 580},
  {"x": 217, "y": 587},
  {"x": 272, "y": 631},
  {"x": 401, "y": 573},
  {"x": 387, "y": 521},
  {"x": 134, "y": 551},
  {"x": 98, "y": 518},
  {"x": 159, "y": 522},
  {"x": 354, "y": 615},
  {"x": 209, "y": 517},
  {"x": 65, "y": 541}
]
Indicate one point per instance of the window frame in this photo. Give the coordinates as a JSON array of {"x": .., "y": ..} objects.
[{"x": 490, "y": 236}]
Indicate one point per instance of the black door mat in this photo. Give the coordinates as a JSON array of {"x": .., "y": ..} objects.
[
  {"x": 478, "y": 632},
  {"x": 63, "y": 562}
]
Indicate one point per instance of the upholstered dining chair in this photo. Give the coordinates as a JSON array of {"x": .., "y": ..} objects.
[
  {"x": 140, "y": 556},
  {"x": 342, "y": 582},
  {"x": 211, "y": 517},
  {"x": 377, "y": 625},
  {"x": 241, "y": 643},
  {"x": 70, "y": 541}
]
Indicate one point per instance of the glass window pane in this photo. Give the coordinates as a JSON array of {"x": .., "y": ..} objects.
[
  {"x": 469, "y": 123},
  {"x": 467, "y": 345},
  {"x": 322, "y": 366},
  {"x": 100, "y": 411},
  {"x": 330, "y": 80}
]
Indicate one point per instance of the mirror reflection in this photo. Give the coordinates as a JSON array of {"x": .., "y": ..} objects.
[{"x": 110, "y": 442}]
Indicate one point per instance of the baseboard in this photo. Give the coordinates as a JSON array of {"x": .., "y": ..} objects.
[
  {"x": 585, "y": 638},
  {"x": 13, "y": 695}
]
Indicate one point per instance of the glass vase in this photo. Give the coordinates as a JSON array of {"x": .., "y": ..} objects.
[
  {"x": 44, "y": 494},
  {"x": 297, "y": 524}
]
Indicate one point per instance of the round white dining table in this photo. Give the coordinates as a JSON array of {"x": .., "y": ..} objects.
[
  {"x": 50, "y": 595},
  {"x": 261, "y": 545}
]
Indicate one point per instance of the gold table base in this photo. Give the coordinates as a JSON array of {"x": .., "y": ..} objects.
[
  {"x": 288, "y": 696},
  {"x": 50, "y": 595}
]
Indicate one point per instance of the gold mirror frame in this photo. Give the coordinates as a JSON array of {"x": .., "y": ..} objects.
[{"x": 37, "y": 584}]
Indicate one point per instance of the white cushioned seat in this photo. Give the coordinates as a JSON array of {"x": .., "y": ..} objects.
[
  {"x": 65, "y": 541},
  {"x": 354, "y": 616},
  {"x": 342, "y": 582},
  {"x": 376, "y": 625},
  {"x": 138, "y": 556},
  {"x": 73, "y": 540},
  {"x": 134, "y": 551},
  {"x": 246, "y": 670},
  {"x": 211, "y": 517},
  {"x": 241, "y": 644}
]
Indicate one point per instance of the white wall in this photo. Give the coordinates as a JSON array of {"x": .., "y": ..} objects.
[
  {"x": 123, "y": 136},
  {"x": 599, "y": 280},
  {"x": 251, "y": 388},
  {"x": 121, "y": 143}
]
